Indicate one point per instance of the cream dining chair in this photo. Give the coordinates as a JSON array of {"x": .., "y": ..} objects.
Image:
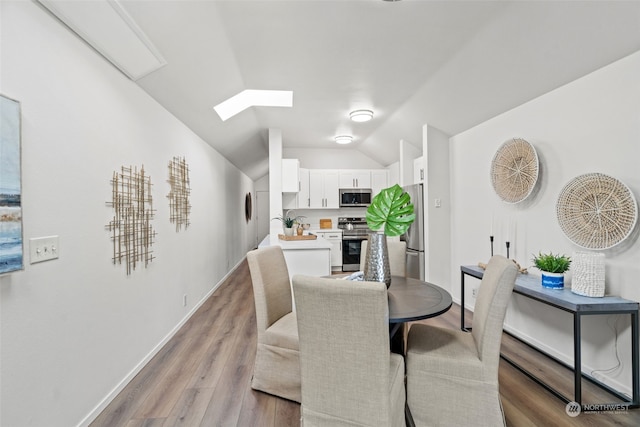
[
  {"x": 452, "y": 376},
  {"x": 277, "y": 366},
  {"x": 349, "y": 375},
  {"x": 397, "y": 256}
]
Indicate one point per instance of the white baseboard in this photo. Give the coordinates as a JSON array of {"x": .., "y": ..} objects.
[{"x": 125, "y": 381}]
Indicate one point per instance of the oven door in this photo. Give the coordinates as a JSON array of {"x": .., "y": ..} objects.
[{"x": 351, "y": 247}]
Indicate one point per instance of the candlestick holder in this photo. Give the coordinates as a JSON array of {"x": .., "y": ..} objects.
[
  {"x": 508, "y": 244},
  {"x": 491, "y": 240}
]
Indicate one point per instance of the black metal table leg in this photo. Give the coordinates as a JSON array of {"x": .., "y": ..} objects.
[{"x": 577, "y": 359}]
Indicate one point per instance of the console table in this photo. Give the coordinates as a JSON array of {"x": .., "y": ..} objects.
[{"x": 564, "y": 299}]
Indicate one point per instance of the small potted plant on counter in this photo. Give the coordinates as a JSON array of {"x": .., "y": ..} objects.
[
  {"x": 288, "y": 221},
  {"x": 553, "y": 268}
]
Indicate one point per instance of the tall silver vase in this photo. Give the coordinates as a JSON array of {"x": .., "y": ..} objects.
[{"x": 376, "y": 262}]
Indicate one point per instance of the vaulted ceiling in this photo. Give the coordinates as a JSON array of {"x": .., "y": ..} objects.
[{"x": 452, "y": 64}]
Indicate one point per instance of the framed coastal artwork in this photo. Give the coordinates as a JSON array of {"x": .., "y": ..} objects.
[{"x": 11, "y": 253}]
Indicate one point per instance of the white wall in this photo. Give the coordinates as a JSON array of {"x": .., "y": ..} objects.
[
  {"x": 330, "y": 158},
  {"x": 73, "y": 329},
  {"x": 589, "y": 125},
  {"x": 437, "y": 218}
]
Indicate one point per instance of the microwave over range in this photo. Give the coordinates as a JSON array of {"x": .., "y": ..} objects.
[{"x": 355, "y": 197}]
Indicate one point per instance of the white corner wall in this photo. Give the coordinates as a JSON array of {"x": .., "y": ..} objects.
[
  {"x": 435, "y": 151},
  {"x": 75, "y": 329},
  {"x": 589, "y": 125}
]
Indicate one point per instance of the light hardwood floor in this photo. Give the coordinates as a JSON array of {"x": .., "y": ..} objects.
[{"x": 201, "y": 377}]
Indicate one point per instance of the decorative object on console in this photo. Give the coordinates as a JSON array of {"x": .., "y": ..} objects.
[
  {"x": 514, "y": 170},
  {"x": 553, "y": 268},
  {"x": 596, "y": 211},
  {"x": 588, "y": 274},
  {"x": 11, "y": 250},
  {"x": 521, "y": 269},
  {"x": 179, "y": 206},
  {"x": 390, "y": 214},
  {"x": 131, "y": 231},
  {"x": 491, "y": 240}
]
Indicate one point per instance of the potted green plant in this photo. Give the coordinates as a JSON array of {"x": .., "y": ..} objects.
[
  {"x": 389, "y": 214},
  {"x": 553, "y": 268},
  {"x": 288, "y": 221}
]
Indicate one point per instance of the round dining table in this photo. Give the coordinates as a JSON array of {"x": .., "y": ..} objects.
[
  {"x": 413, "y": 299},
  {"x": 410, "y": 300}
]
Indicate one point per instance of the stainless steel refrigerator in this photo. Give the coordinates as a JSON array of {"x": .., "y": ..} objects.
[{"x": 415, "y": 235}]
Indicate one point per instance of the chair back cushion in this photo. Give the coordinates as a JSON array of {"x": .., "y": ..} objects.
[
  {"x": 344, "y": 348},
  {"x": 491, "y": 305},
  {"x": 397, "y": 256},
  {"x": 271, "y": 285}
]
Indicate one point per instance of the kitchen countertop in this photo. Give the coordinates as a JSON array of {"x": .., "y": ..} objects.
[
  {"x": 325, "y": 230},
  {"x": 272, "y": 240}
]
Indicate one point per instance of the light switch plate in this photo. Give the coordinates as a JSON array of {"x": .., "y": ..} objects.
[{"x": 44, "y": 248}]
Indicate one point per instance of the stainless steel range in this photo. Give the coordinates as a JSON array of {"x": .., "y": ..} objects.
[{"x": 354, "y": 231}]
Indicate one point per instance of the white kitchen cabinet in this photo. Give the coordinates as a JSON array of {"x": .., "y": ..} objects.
[
  {"x": 299, "y": 200},
  {"x": 290, "y": 175},
  {"x": 323, "y": 188},
  {"x": 335, "y": 238},
  {"x": 355, "y": 178},
  {"x": 418, "y": 170},
  {"x": 379, "y": 180},
  {"x": 303, "y": 195}
]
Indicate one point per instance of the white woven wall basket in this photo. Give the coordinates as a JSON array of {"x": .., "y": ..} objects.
[
  {"x": 588, "y": 274},
  {"x": 514, "y": 170},
  {"x": 596, "y": 211}
]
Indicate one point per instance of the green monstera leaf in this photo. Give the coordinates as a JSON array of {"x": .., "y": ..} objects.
[{"x": 392, "y": 210}]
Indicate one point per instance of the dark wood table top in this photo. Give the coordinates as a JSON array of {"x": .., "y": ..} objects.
[{"x": 413, "y": 299}]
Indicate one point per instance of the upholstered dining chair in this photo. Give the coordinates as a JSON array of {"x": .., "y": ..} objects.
[
  {"x": 349, "y": 375},
  {"x": 277, "y": 366},
  {"x": 397, "y": 256},
  {"x": 452, "y": 376}
]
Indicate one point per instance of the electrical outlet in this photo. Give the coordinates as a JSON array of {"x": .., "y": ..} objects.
[
  {"x": 474, "y": 292},
  {"x": 44, "y": 248}
]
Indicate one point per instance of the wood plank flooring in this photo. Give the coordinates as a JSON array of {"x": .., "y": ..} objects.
[{"x": 201, "y": 377}]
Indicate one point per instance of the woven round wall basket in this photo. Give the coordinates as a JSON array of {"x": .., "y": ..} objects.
[
  {"x": 596, "y": 211},
  {"x": 514, "y": 170}
]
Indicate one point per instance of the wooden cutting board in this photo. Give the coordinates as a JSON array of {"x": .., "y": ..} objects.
[
  {"x": 326, "y": 223},
  {"x": 303, "y": 237}
]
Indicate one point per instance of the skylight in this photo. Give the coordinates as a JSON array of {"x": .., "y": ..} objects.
[{"x": 253, "y": 98}]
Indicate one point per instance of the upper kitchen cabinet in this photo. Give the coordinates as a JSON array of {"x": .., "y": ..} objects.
[
  {"x": 379, "y": 180},
  {"x": 299, "y": 200},
  {"x": 290, "y": 175},
  {"x": 323, "y": 188},
  {"x": 303, "y": 195},
  {"x": 355, "y": 179}
]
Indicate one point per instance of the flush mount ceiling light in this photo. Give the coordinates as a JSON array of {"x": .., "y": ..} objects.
[
  {"x": 253, "y": 98},
  {"x": 343, "y": 139},
  {"x": 361, "y": 115},
  {"x": 108, "y": 28}
]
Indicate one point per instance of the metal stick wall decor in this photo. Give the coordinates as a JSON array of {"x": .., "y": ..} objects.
[
  {"x": 179, "y": 207},
  {"x": 131, "y": 231}
]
